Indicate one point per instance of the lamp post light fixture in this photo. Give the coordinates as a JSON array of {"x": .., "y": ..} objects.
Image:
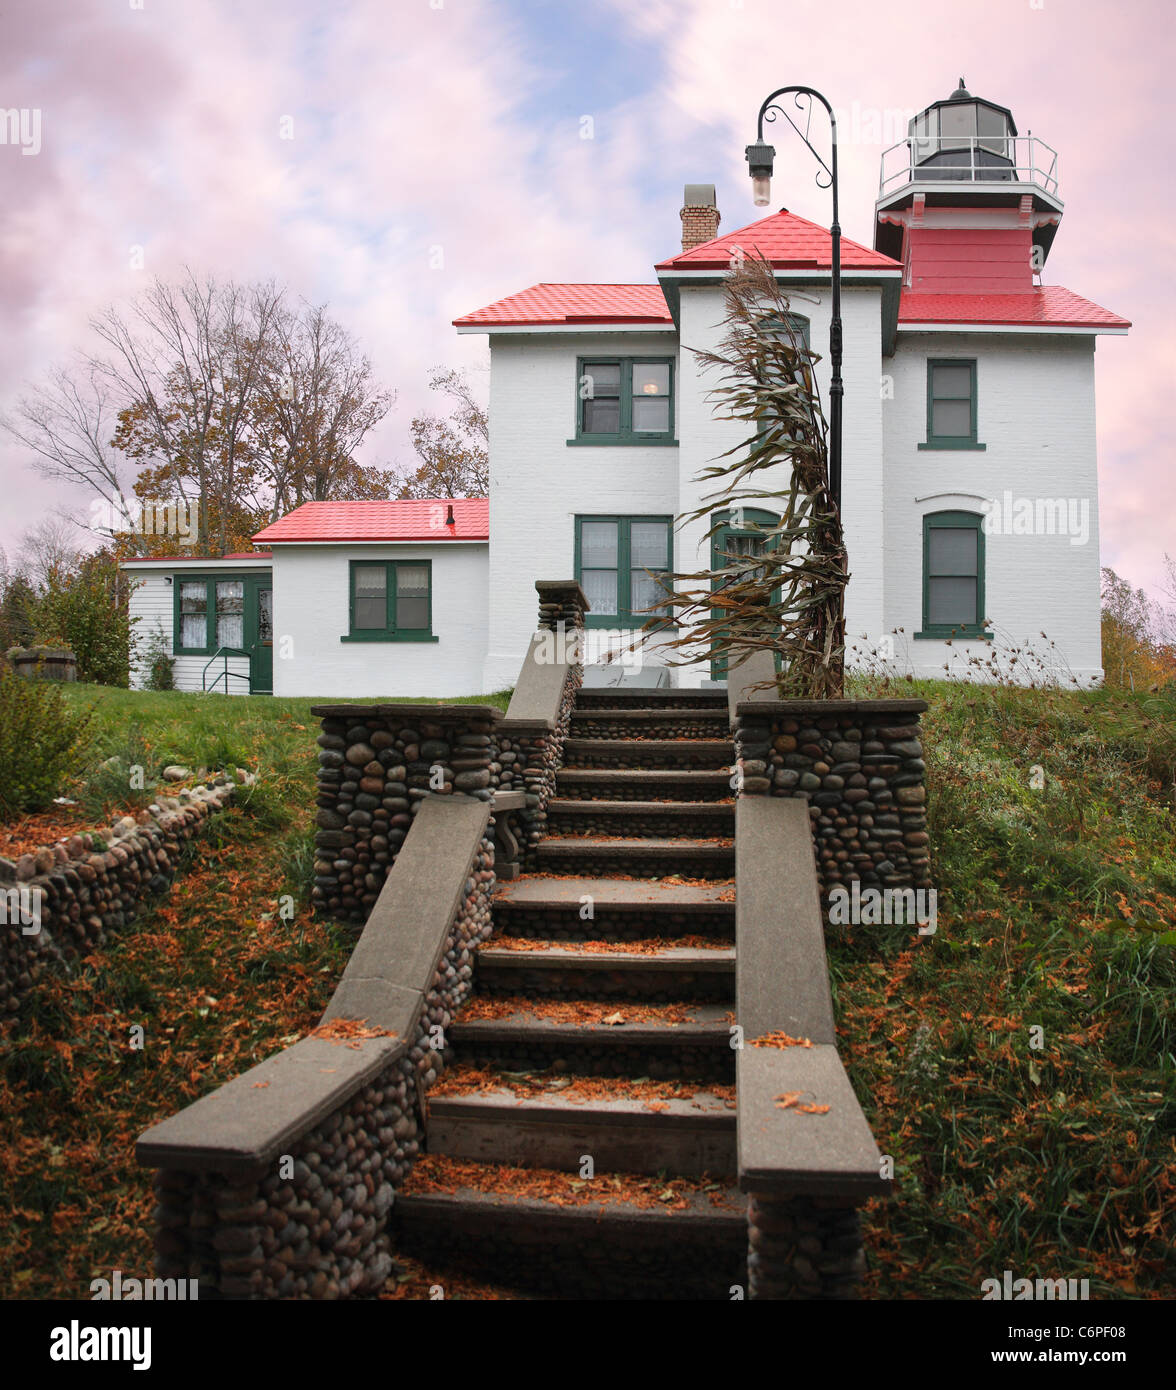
[{"x": 759, "y": 163}]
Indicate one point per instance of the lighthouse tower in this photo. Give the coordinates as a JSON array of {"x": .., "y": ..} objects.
[{"x": 965, "y": 203}]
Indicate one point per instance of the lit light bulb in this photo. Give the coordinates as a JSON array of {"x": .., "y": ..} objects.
[{"x": 650, "y": 388}]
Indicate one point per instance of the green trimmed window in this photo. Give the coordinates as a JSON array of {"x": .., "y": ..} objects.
[
  {"x": 951, "y": 404},
  {"x": 792, "y": 328},
  {"x": 624, "y": 400},
  {"x": 391, "y": 601},
  {"x": 618, "y": 563},
  {"x": 953, "y": 575},
  {"x": 209, "y": 614}
]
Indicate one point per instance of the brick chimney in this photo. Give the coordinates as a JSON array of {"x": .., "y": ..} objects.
[{"x": 700, "y": 216}]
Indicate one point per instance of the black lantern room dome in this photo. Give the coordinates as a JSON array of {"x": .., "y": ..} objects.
[{"x": 964, "y": 137}]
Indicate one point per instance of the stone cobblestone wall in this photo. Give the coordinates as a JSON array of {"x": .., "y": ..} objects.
[
  {"x": 540, "y": 755},
  {"x": 802, "y": 1247},
  {"x": 314, "y": 1223},
  {"x": 862, "y": 772},
  {"x": 376, "y": 764},
  {"x": 561, "y": 604},
  {"x": 63, "y": 901}
]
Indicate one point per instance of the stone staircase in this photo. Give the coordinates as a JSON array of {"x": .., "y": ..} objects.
[{"x": 582, "y": 1141}]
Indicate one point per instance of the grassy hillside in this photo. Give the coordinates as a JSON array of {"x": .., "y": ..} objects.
[
  {"x": 1057, "y": 911},
  {"x": 1053, "y": 823}
]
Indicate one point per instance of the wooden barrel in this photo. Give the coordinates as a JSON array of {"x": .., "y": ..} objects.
[{"x": 44, "y": 663}]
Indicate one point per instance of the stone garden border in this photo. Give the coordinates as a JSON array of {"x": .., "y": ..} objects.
[{"x": 62, "y": 901}]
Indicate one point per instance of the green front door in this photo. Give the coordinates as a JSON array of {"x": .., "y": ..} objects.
[
  {"x": 259, "y": 632},
  {"x": 730, "y": 543}
]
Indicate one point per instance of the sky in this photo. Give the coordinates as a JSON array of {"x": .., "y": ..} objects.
[{"x": 407, "y": 161}]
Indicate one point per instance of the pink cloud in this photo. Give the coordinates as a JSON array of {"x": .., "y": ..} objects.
[{"x": 414, "y": 129}]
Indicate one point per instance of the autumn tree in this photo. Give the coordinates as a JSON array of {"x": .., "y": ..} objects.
[
  {"x": 454, "y": 450},
  {"x": 1135, "y": 654},
  {"x": 316, "y": 403},
  {"x": 212, "y": 397}
]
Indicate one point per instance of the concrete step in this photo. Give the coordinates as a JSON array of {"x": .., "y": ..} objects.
[
  {"x": 675, "y": 1135},
  {"x": 666, "y": 973},
  {"x": 692, "y": 1246},
  {"x": 700, "y": 818},
  {"x": 637, "y": 857},
  {"x": 632, "y": 697},
  {"x": 712, "y": 755},
  {"x": 681, "y": 1040},
  {"x": 666, "y": 722},
  {"x": 638, "y": 784},
  {"x": 602, "y": 909}
]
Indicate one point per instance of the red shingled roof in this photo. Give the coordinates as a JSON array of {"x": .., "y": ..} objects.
[
  {"x": 191, "y": 559},
  {"x": 788, "y": 241},
  {"x": 401, "y": 520},
  {"x": 1045, "y": 306},
  {"x": 571, "y": 304}
]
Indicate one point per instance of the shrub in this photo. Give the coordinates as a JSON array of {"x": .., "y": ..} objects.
[
  {"x": 88, "y": 608},
  {"x": 18, "y": 612},
  {"x": 161, "y": 665},
  {"x": 41, "y": 740}
]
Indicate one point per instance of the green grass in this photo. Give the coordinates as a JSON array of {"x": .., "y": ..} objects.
[
  {"x": 1054, "y": 854},
  {"x": 216, "y": 974},
  {"x": 1057, "y": 910}
]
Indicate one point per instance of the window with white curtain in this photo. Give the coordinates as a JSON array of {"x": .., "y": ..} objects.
[
  {"x": 621, "y": 564},
  {"x": 194, "y": 614},
  {"x": 391, "y": 601},
  {"x": 230, "y": 613}
]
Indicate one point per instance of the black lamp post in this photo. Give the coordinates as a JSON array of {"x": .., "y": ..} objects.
[{"x": 759, "y": 160}]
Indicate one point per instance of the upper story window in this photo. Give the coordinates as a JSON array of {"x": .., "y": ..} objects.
[
  {"x": 391, "y": 601},
  {"x": 625, "y": 400},
  {"x": 951, "y": 404}
]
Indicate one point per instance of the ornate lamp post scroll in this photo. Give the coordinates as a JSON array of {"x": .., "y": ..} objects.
[{"x": 759, "y": 160}]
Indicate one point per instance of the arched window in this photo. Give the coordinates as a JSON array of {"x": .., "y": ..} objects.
[
  {"x": 739, "y": 535},
  {"x": 953, "y": 575}
]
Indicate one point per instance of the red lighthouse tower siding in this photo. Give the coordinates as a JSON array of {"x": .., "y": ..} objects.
[
  {"x": 962, "y": 259},
  {"x": 971, "y": 209}
]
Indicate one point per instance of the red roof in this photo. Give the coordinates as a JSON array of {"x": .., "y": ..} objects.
[
  {"x": 413, "y": 519},
  {"x": 1044, "y": 306},
  {"x": 573, "y": 304},
  {"x": 191, "y": 559},
  {"x": 788, "y": 241}
]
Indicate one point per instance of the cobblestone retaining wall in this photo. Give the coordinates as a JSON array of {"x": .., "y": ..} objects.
[
  {"x": 314, "y": 1224},
  {"x": 376, "y": 764},
  {"x": 803, "y": 1247},
  {"x": 62, "y": 901},
  {"x": 860, "y": 766}
]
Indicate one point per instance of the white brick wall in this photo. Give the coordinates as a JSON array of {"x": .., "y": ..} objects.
[
  {"x": 312, "y": 612},
  {"x": 538, "y": 483},
  {"x": 1036, "y": 415},
  {"x": 1035, "y": 410}
]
